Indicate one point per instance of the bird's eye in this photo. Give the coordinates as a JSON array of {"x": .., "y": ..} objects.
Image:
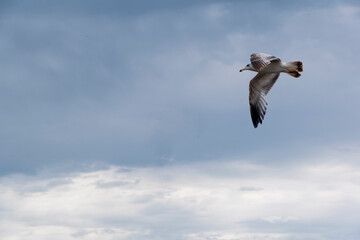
[{"x": 248, "y": 65}]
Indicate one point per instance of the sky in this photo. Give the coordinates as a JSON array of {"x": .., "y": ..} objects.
[{"x": 130, "y": 120}]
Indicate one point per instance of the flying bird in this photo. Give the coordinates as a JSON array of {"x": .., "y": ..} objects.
[{"x": 268, "y": 68}]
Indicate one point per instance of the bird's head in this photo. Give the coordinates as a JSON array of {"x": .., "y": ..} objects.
[{"x": 247, "y": 67}]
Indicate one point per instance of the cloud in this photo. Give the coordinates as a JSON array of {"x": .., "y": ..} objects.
[
  {"x": 311, "y": 200},
  {"x": 130, "y": 121},
  {"x": 151, "y": 85}
]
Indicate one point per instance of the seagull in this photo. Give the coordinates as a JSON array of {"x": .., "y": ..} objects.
[{"x": 268, "y": 68}]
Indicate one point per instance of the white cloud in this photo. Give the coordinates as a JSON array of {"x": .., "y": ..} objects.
[{"x": 218, "y": 200}]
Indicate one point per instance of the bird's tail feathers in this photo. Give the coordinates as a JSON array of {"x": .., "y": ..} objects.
[
  {"x": 294, "y": 74},
  {"x": 295, "y": 66}
]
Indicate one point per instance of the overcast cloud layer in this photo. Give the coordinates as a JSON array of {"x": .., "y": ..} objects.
[
  {"x": 231, "y": 200},
  {"x": 130, "y": 120}
]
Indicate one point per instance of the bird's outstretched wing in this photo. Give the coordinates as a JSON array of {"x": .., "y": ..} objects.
[
  {"x": 260, "y": 60},
  {"x": 259, "y": 87}
]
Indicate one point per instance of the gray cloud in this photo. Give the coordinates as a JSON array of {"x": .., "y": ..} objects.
[
  {"x": 165, "y": 84},
  {"x": 249, "y": 189}
]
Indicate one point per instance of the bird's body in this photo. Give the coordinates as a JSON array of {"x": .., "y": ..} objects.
[
  {"x": 274, "y": 67},
  {"x": 268, "y": 68}
]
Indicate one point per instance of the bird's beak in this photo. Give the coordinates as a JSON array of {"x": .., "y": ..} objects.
[{"x": 242, "y": 70}]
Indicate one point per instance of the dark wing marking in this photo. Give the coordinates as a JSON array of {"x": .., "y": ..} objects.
[
  {"x": 259, "y": 87},
  {"x": 260, "y": 60}
]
